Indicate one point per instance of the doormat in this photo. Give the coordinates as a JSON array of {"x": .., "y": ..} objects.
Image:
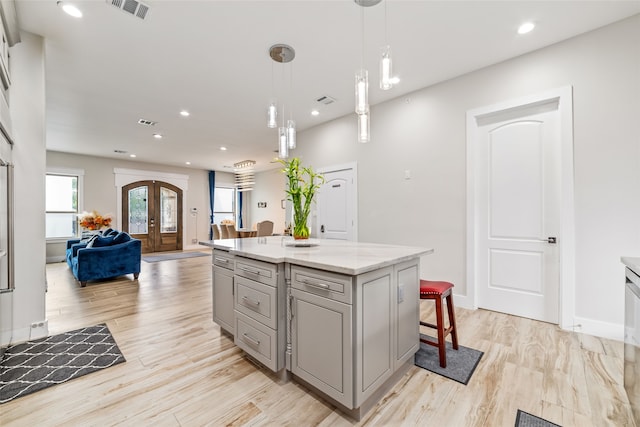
[
  {"x": 176, "y": 255},
  {"x": 460, "y": 363},
  {"x": 525, "y": 419},
  {"x": 32, "y": 366}
]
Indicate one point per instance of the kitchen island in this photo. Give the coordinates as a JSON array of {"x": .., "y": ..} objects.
[{"x": 340, "y": 317}]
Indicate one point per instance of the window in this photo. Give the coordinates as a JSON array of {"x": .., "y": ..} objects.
[
  {"x": 62, "y": 205},
  {"x": 224, "y": 204}
]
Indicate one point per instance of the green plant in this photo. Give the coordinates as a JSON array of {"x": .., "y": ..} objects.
[{"x": 302, "y": 185}]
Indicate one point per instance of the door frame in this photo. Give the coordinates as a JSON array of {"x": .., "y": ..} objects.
[
  {"x": 566, "y": 237},
  {"x": 353, "y": 166},
  {"x": 123, "y": 177}
]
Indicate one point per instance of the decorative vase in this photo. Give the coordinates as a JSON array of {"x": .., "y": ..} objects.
[
  {"x": 303, "y": 183},
  {"x": 300, "y": 231}
]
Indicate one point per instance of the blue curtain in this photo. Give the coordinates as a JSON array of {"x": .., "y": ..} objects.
[
  {"x": 240, "y": 209},
  {"x": 212, "y": 189}
]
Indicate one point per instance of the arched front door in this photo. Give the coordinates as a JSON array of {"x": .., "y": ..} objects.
[{"x": 152, "y": 213}]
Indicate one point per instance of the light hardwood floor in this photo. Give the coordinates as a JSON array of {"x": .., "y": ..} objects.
[{"x": 181, "y": 371}]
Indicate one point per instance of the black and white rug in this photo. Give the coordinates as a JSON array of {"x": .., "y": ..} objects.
[
  {"x": 460, "y": 363},
  {"x": 35, "y": 365},
  {"x": 525, "y": 419}
]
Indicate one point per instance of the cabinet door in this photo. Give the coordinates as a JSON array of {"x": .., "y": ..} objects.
[
  {"x": 408, "y": 311},
  {"x": 322, "y": 345},
  {"x": 223, "y": 313},
  {"x": 375, "y": 317}
]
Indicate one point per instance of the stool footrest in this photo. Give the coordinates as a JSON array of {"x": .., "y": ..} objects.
[{"x": 429, "y": 325}]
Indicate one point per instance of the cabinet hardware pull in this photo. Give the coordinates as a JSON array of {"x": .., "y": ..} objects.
[
  {"x": 226, "y": 261},
  {"x": 316, "y": 285},
  {"x": 249, "y": 270},
  {"x": 251, "y": 340},
  {"x": 250, "y": 301}
]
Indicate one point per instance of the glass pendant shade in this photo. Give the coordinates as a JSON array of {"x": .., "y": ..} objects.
[
  {"x": 291, "y": 134},
  {"x": 272, "y": 116},
  {"x": 362, "y": 92},
  {"x": 283, "y": 144},
  {"x": 385, "y": 69},
  {"x": 363, "y": 127}
]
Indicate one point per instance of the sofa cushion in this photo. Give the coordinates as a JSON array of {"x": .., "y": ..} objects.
[
  {"x": 99, "y": 241},
  {"x": 121, "y": 237}
]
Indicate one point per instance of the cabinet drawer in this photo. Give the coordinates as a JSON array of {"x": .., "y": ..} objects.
[
  {"x": 223, "y": 259},
  {"x": 324, "y": 283},
  {"x": 256, "y": 300},
  {"x": 259, "y": 271},
  {"x": 257, "y": 340}
]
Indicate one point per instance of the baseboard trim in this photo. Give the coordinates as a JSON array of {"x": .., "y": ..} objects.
[{"x": 598, "y": 328}]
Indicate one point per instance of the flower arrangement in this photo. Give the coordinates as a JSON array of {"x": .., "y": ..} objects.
[
  {"x": 93, "y": 220},
  {"x": 300, "y": 191}
]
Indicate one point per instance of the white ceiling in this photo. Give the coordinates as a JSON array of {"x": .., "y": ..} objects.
[{"x": 108, "y": 69}]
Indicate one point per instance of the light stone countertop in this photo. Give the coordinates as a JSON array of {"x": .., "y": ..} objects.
[
  {"x": 340, "y": 256},
  {"x": 633, "y": 264}
]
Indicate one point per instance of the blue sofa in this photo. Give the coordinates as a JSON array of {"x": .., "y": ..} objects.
[{"x": 104, "y": 256}]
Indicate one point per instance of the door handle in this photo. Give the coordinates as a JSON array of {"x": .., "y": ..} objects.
[
  {"x": 322, "y": 228},
  {"x": 551, "y": 240}
]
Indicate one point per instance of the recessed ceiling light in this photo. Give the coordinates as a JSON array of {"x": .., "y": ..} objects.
[
  {"x": 70, "y": 9},
  {"x": 223, "y": 148},
  {"x": 187, "y": 163},
  {"x": 526, "y": 27},
  {"x": 184, "y": 113},
  {"x": 157, "y": 136},
  {"x": 315, "y": 112},
  {"x": 132, "y": 155}
]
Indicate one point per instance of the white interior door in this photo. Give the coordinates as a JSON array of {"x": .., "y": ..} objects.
[
  {"x": 336, "y": 205},
  {"x": 518, "y": 211}
]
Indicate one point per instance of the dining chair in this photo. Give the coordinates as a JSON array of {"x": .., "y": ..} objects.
[
  {"x": 233, "y": 233},
  {"x": 216, "y": 231},
  {"x": 224, "y": 233},
  {"x": 265, "y": 228}
]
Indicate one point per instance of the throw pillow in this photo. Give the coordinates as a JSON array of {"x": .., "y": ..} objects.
[
  {"x": 107, "y": 231},
  {"x": 100, "y": 241},
  {"x": 121, "y": 237},
  {"x": 90, "y": 241}
]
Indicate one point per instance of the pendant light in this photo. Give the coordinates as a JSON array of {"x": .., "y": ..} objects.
[
  {"x": 362, "y": 83},
  {"x": 386, "y": 81},
  {"x": 283, "y": 54}
]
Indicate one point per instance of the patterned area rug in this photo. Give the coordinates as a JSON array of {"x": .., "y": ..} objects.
[
  {"x": 34, "y": 365},
  {"x": 525, "y": 419},
  {"x": 460, "y": 363},
  {"x": 175, "y": 255}
]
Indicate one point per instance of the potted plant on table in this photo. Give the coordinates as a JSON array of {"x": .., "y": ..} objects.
[{"x": 302, "y": 185}]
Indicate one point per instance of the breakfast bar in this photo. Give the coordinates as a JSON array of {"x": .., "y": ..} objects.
[{"x": 340, "y": 317}]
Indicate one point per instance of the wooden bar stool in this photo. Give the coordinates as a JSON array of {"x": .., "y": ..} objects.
[{"x": 438, "y": 291}]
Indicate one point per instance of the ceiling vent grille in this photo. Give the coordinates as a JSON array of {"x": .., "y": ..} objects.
[
  {"x": 326, "y": 100},
  {"x": 133, "y": 7},
  {"x": 146, "y": 122}
]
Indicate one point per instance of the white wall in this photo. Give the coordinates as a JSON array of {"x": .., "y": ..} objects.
[
  {"x": 424, "y": 132},
  {"x": 270, "y": 186},
  {"x": 27, "y": 116}
]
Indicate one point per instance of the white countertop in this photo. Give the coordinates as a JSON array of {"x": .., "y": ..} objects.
[
  {"x": 633, "y": 264},
  {"x": 333, "y": 255}
]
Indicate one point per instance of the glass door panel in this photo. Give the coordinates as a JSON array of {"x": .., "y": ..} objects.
[{"x": 139, "y": 210}]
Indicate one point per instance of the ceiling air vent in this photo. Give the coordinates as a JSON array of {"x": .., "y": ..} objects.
[
  {"x": 133, "y": 7},
  {"x": 326, "y": 100},
  {"x": 146, "y": 122}
]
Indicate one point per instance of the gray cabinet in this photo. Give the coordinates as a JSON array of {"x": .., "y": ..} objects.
[
  {"x": 321, "y": 339},
  {"x": 258, "y": 306},
  {"x": 222, "y": 293}
]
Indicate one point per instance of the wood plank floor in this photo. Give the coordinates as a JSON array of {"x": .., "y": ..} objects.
[{"x": 181, "y": 371}]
